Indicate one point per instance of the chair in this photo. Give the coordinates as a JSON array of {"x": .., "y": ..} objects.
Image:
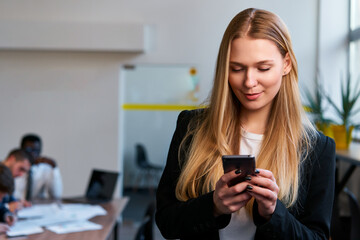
[
  {"x": 355, "y": 215},
  {"x": 145, "y": 231},
  {"x": 147, "y": 171}
]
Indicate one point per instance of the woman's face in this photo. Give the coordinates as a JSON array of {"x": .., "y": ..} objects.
[{"x": 256, "y": 71}]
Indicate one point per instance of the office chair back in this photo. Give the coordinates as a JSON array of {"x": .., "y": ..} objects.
[
  {"x": 147, "y": 171},
  {"x": 355, "y": 215},
  {"x": 141, "y": 157}
]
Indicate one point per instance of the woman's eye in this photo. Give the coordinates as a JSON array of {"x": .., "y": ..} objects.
[
  {"x": 264, "y": 69},
  {"x": 236, "y": 69}
]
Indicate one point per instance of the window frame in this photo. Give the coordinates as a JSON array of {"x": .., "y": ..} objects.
[{"x": 354, "y": 36}]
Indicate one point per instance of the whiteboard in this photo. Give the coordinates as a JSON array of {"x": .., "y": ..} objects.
[
  {"x": 155, "y": 84},
  {"x": 153, "y": 127}
]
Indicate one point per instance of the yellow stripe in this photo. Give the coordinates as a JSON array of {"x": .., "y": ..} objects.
[{"x": 158, "y": 107}]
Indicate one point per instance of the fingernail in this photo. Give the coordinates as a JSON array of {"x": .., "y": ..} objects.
[
  {"x": 249, "y": 187},
  {"x": 257, "y": 171},
  {"x": 247, "y": 178},
  {"x": 238, "y": 171}
]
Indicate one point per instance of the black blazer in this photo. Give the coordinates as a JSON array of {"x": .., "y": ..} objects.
[{"x": 308, "y": 218}]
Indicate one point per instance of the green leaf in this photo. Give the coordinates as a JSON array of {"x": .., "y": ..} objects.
[{"x": 349, "y": 98}]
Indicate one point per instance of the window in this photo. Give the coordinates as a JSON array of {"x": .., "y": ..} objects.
[
  {"x": 355, "y": 59},
  {"x": 354, "y": 48},
  {"x": 354, "y": 14}
]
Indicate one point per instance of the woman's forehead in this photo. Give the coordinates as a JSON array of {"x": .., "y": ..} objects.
[{"x": 246, "y": 49}]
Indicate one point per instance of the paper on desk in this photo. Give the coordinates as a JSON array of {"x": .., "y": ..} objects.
[
  {"x": 23, "y": 229},
  {"x": 83, "y": 211},
  {"x": 49, "y": 214},
  {"x": 56, "y": 215},
  {"x": 47, "y": 220},
  {"x": 37, "y": 211},
  {"x": 77, "y": 226}
]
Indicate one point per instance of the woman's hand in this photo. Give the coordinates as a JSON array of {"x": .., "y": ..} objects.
[
  {"x": 10, "y": 219},
  {"x": 18, "y": 205},
  {"x": 229, "y": 199},
  {"x": 264, "y": 189},
  {"x": 26, "y": 203},
  {"x": 4, "y": 228},
  {"x": 15, "y": 206}
]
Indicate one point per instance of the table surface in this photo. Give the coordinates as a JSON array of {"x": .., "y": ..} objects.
[
  {"x": 108, "y": 221},
  {"x": 352, "y": 155}
]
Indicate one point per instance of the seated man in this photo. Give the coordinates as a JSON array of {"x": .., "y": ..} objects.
[
  {"x": 44, "y": 175},
  {"x": 6, "y": 188},
  {"x": 18, "y": 161}
]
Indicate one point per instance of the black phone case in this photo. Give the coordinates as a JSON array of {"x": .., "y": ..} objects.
[{"x": 246, "y": 163}]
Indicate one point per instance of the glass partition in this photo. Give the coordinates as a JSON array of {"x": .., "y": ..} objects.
[{"x": 152, "y": 97}]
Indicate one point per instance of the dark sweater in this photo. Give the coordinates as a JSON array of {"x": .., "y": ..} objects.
[{"x": 3, "y": 209}]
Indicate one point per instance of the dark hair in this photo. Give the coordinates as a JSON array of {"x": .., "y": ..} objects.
[
  {"x": 6, "y": 180},
  {"x": 21, "y": 155},
  {"x": 30, "y": 138}
]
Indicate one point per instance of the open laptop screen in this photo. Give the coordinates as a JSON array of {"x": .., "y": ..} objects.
[{"x": 102, "y": 184}]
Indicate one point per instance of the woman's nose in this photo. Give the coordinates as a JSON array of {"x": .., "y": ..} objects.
[{"x": 250, "y": 79}]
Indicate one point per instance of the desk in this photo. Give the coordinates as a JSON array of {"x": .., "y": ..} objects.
[
  {"x": 109, "y": 223},
  {"x": 352, "y": 156}
]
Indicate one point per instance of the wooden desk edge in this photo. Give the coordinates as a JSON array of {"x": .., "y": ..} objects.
[{"x": 352, "y": 155}]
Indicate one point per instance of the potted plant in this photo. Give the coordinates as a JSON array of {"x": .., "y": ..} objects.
[
  {"x": 316, "y": 107},
  {"x": 349, "y": 97}
]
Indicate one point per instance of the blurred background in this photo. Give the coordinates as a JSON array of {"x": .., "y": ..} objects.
[{"x": 95, "y": 78}]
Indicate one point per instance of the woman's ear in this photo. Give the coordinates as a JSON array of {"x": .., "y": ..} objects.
[{"x": 287, "y": 64}]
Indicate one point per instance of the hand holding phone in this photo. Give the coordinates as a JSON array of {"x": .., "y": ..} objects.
[{"x": 245, "y": 163}]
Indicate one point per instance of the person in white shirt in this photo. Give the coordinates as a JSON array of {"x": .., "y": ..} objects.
[{"x": 44, "y": 177}]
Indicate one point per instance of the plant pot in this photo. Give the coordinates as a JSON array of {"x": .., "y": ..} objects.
[
  {"x": 325, "y": 128},
  {"x": 342, "y": 137}
]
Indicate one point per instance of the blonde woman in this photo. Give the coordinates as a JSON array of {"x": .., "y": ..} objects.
[{"x": 254, "y": 109}]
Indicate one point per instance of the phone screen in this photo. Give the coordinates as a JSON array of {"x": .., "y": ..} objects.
[{"x": 246, "y": 163}]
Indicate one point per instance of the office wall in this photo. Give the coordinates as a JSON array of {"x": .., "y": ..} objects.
[
  {"x": 71, "y": 98},
  {"x": 333, "y": 45}
]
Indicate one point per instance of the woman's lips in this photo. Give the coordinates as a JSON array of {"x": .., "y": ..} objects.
[{"x": 252, "y": 96}]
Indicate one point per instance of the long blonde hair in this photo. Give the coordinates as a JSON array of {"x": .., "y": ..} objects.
[{"x": 286, "y": 139}]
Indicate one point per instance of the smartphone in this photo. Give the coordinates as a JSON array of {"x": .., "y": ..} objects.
[{"x": 246, "y": 163}]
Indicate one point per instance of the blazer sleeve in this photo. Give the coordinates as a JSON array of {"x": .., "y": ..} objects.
[
  {"x": 3, "y": 212},
  {"x": 311, "y": 219},
  {"x": 178, "y": 219}
]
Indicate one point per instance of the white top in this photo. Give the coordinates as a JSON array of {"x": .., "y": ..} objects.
[
  {"x": 47, "y": 183},
  {"x": 241, "y": 226}
]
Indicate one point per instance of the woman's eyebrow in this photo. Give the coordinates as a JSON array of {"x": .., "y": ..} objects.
[
  {"x": 258, "y": 63},
  {"x": 237, "y": 64},
  {"x": 266, "y": 62}
]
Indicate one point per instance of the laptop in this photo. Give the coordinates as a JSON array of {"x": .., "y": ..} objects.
[{"x": 100, "y": 188}]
